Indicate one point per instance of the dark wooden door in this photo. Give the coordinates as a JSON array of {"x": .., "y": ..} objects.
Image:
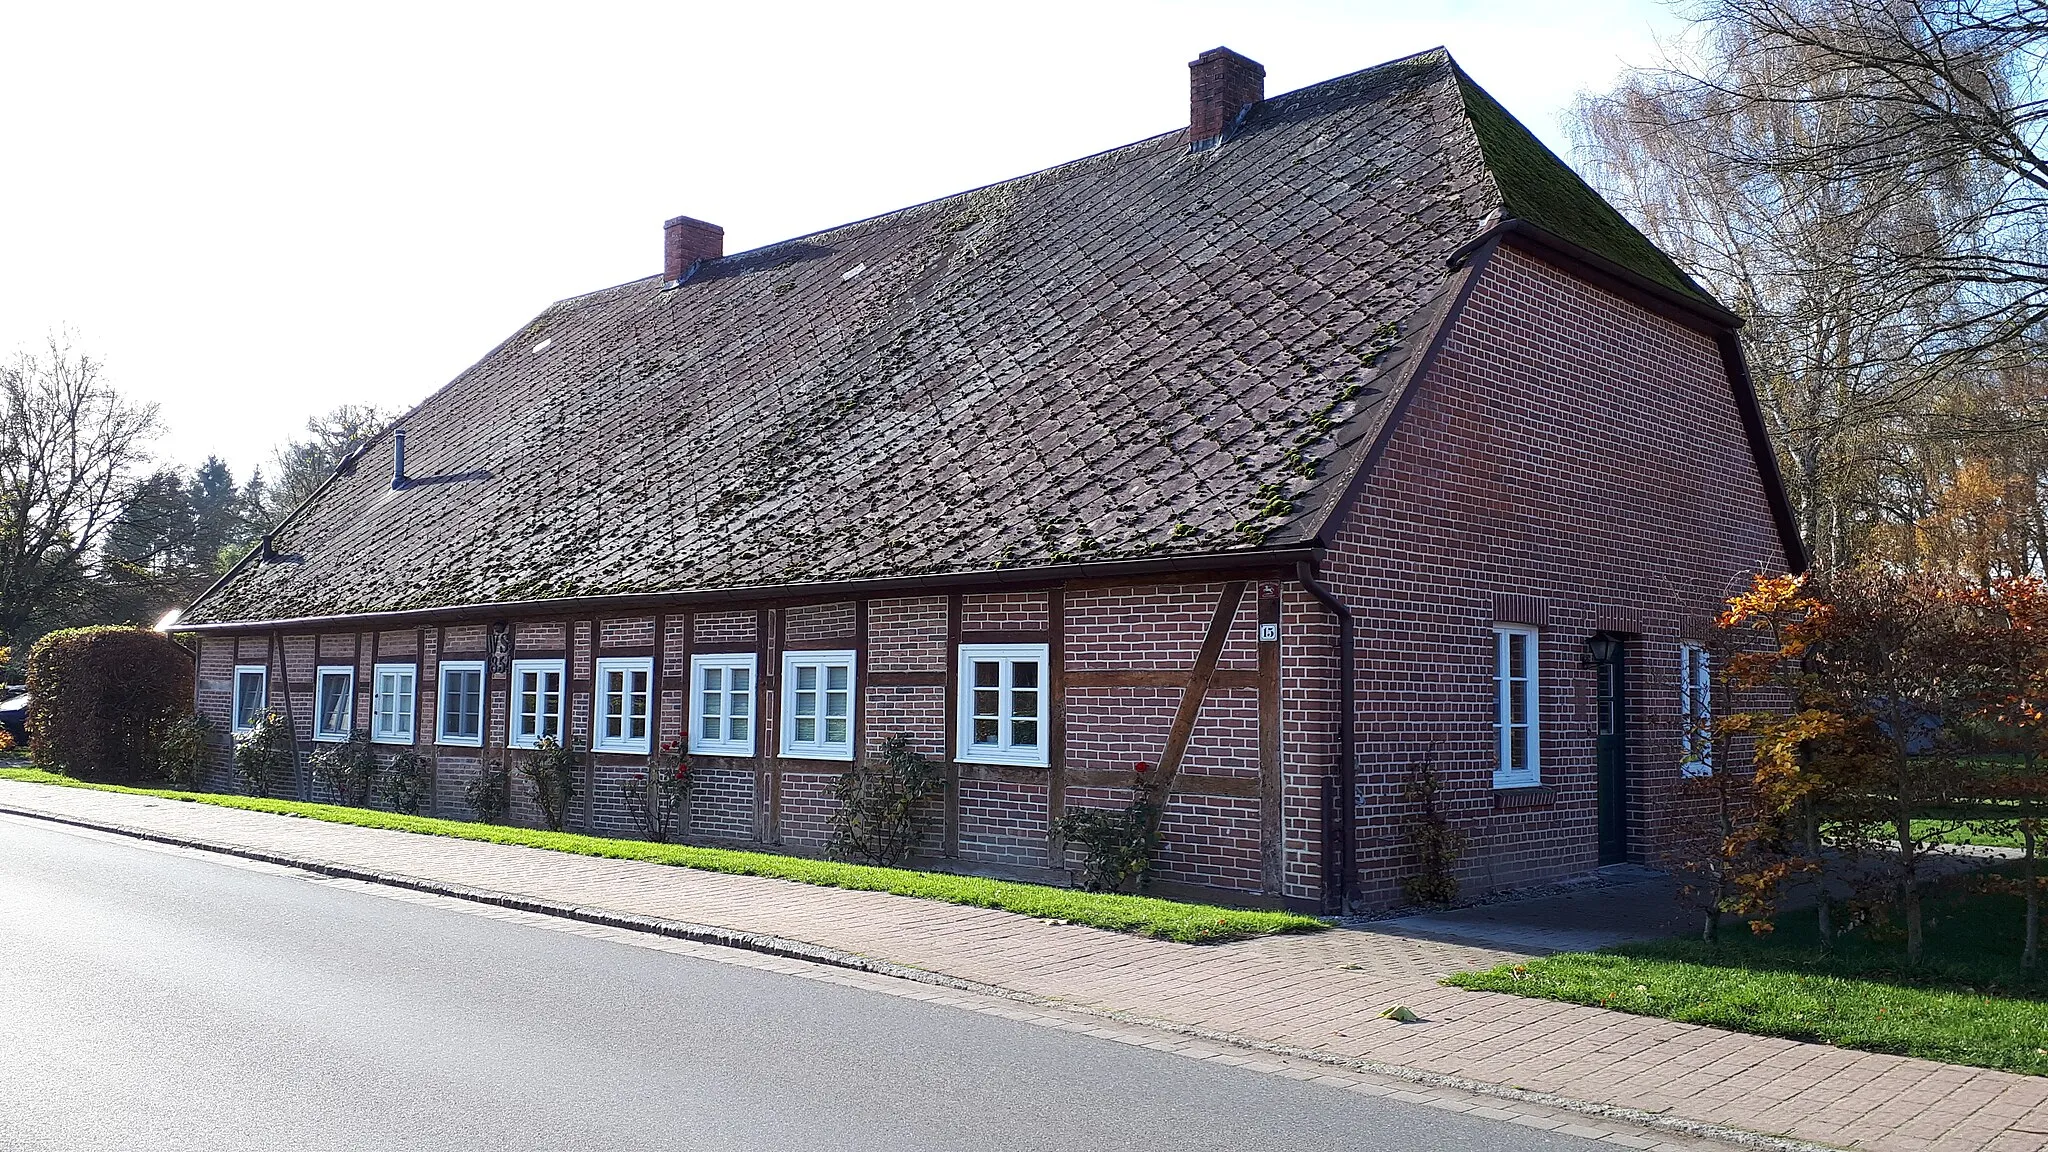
[{"x": 1612, "y": 753}]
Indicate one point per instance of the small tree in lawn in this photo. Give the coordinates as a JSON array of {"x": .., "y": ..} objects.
[
  {"x": 1117, "y": 844},
  {"x": 1873, "y": 664},
  {"x": 654, "y": 799},
  {"x": 2010, "y": 645},
  {"x": 876, "y": 819},
  {"x": 349, "y": 768},
  {"x": 265, "y": 754},
  {"x": 406, "y": 781},
  {"x": 550, "y": 772}
]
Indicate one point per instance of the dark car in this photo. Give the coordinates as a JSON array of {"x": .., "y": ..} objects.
[{"x": 14, "y": 713}]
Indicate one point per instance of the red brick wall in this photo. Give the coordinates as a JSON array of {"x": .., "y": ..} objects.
[{"x": 1590, "y": 455}]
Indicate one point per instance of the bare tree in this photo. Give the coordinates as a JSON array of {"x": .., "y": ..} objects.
[
  {"x": 68, "y": 444},
  {"x": 1781, "y": 163}
]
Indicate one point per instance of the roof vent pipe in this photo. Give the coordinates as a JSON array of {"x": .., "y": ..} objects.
[
  {"x": 1221, "y": 85},
  {"x": 685, "y": 243},
  {"x": 398, "y": 459}
]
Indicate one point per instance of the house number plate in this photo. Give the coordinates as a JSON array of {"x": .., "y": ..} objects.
[{"x": 1269, "y": 633}]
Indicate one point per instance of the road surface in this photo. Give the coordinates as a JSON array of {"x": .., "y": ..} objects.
[{"x": 159, "y": 999}]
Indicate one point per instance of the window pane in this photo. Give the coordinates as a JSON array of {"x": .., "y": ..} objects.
[
  {"x": 806, "y": 704},
  {"x": 714, "y": 679},
  {"x": 1518, "y": 748},
  {"x": 806, "y": 678},
  {"x": 987, "y": 702},
  {"x": 738, "y": 728},
  {"x": 1024, "y": 702},
  {"x": 1518, "y": 656},
  {"x": 1024, "y": 733},
  {"x": 1024, "y": 674},
  {"x": 836, "y": 677},
  {"x": 738, "y": 702},
  {"x": 984, "y": 730},
  {"x": 835, "y": 703},
  {"x": 806, "y": 729},
  {"x": 987, "y": 674},
  {"x": 835, "y": 731},
  {"x": 742, "y": 679}
]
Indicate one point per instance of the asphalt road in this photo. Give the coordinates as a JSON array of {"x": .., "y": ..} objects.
[{"x": 160, "y": 1000}]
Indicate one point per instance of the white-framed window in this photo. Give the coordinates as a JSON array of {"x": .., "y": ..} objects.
[
  {"x": 391, "y": 703},
  {"x": 722, "y": 703},
  {"x": 1002, "y": 704},
  {"x": 461, "y": 704},
  {"x": 817, "y": 705},
  {"x": 1696, "y": 709},
  {"x": 536, "y": 702},
  {"x": 334, "y": 703},
  {"x": 1518, "y": 723},
  {"x": 252, "y": 695},
  {"x": 625, "y": 704}
]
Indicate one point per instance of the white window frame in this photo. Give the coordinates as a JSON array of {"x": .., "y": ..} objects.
[
  {"x": 725, "y": 663},
  {"x": 321, "y": 675},
  {"x": 483, "y": 688},
  {"x": 818, "y": 748},
  {"x": 1003, "y": 751},
  {"x": 1695, "y": 709},
  {"x": 1504, "y": 775},
  {"x": 628, "y": 665},
  {"x": 515, "y": 710},
  {"x": 383, "y": 729},
  {"x": 236, "y": 720}
]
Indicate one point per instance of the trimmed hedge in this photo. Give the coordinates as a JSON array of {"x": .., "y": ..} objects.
[{"x": 101, "y": 701}]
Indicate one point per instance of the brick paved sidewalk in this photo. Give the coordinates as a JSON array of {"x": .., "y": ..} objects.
[{"x": 1319, "y": 994}]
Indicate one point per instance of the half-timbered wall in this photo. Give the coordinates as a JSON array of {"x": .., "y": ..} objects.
[{"x": 1121, "y": 661}]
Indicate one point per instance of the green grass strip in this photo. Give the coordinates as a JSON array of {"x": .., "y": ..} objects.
[
  {"x": 1137, "y": 915},
  {"x": 1967, "y": 1003}
]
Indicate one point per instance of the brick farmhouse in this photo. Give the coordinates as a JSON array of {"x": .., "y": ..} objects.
[{"x": 1338, "y": 434}]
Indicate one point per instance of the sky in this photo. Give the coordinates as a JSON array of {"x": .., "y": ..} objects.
[{"x": 252, "y": 214}]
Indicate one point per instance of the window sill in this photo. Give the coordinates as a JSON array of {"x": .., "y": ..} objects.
[
  {"x": 734, "y": 753},
  {"x": 458, "y": 742},
  {"x": 839, "y": 756},
  {"x": 1003, "y": 761},
  {"x": 1510, "y": 797},
  {"x": 392, "y": 740},
  {"x": 620, "y": 749},
  {"x": 330, "y": 738}
]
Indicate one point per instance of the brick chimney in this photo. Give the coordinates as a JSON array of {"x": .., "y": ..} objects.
[
  {"x": 1222, "y": 85},
  {"x": 686, "y": 241}
]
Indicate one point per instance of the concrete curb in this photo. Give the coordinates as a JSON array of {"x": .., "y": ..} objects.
[{"x": 817, "y": 954}]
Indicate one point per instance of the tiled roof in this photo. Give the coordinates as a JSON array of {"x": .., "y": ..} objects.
[{"x": 1143, "y": 353}]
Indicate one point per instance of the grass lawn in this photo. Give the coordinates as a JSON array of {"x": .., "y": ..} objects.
[
  {"x": 1139, "y": 915},
  {"x": 1968, "y": 1002}
]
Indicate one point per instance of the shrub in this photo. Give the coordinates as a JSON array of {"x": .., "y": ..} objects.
[
  {"x": 877, "y": 816},
  {"x": 550, "y": 773},
  {"x": 265, "y": 754},
  {"x": 182, "y": 754},
  {"x": 350, "y": 768},
  {"x": 490, "y": 794},
  {"x": 1117, "y": 844},
  {"x": 1437, "y": 842},
  {"x": 406, "y": 782},
  {"x": 655, "y": 801},
  {"x": 102, "y": 700}
]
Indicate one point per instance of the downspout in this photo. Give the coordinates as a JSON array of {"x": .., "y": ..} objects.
[{"x": 1347, "y": 762}]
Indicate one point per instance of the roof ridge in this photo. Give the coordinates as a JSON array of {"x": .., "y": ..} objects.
[{"x": 1026, "y": 179}]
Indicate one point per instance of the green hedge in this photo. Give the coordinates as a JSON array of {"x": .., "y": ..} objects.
[{"x": 102, "y": 700}]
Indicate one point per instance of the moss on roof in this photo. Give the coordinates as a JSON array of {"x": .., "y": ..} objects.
[{"x": 1538, "y": 187}]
